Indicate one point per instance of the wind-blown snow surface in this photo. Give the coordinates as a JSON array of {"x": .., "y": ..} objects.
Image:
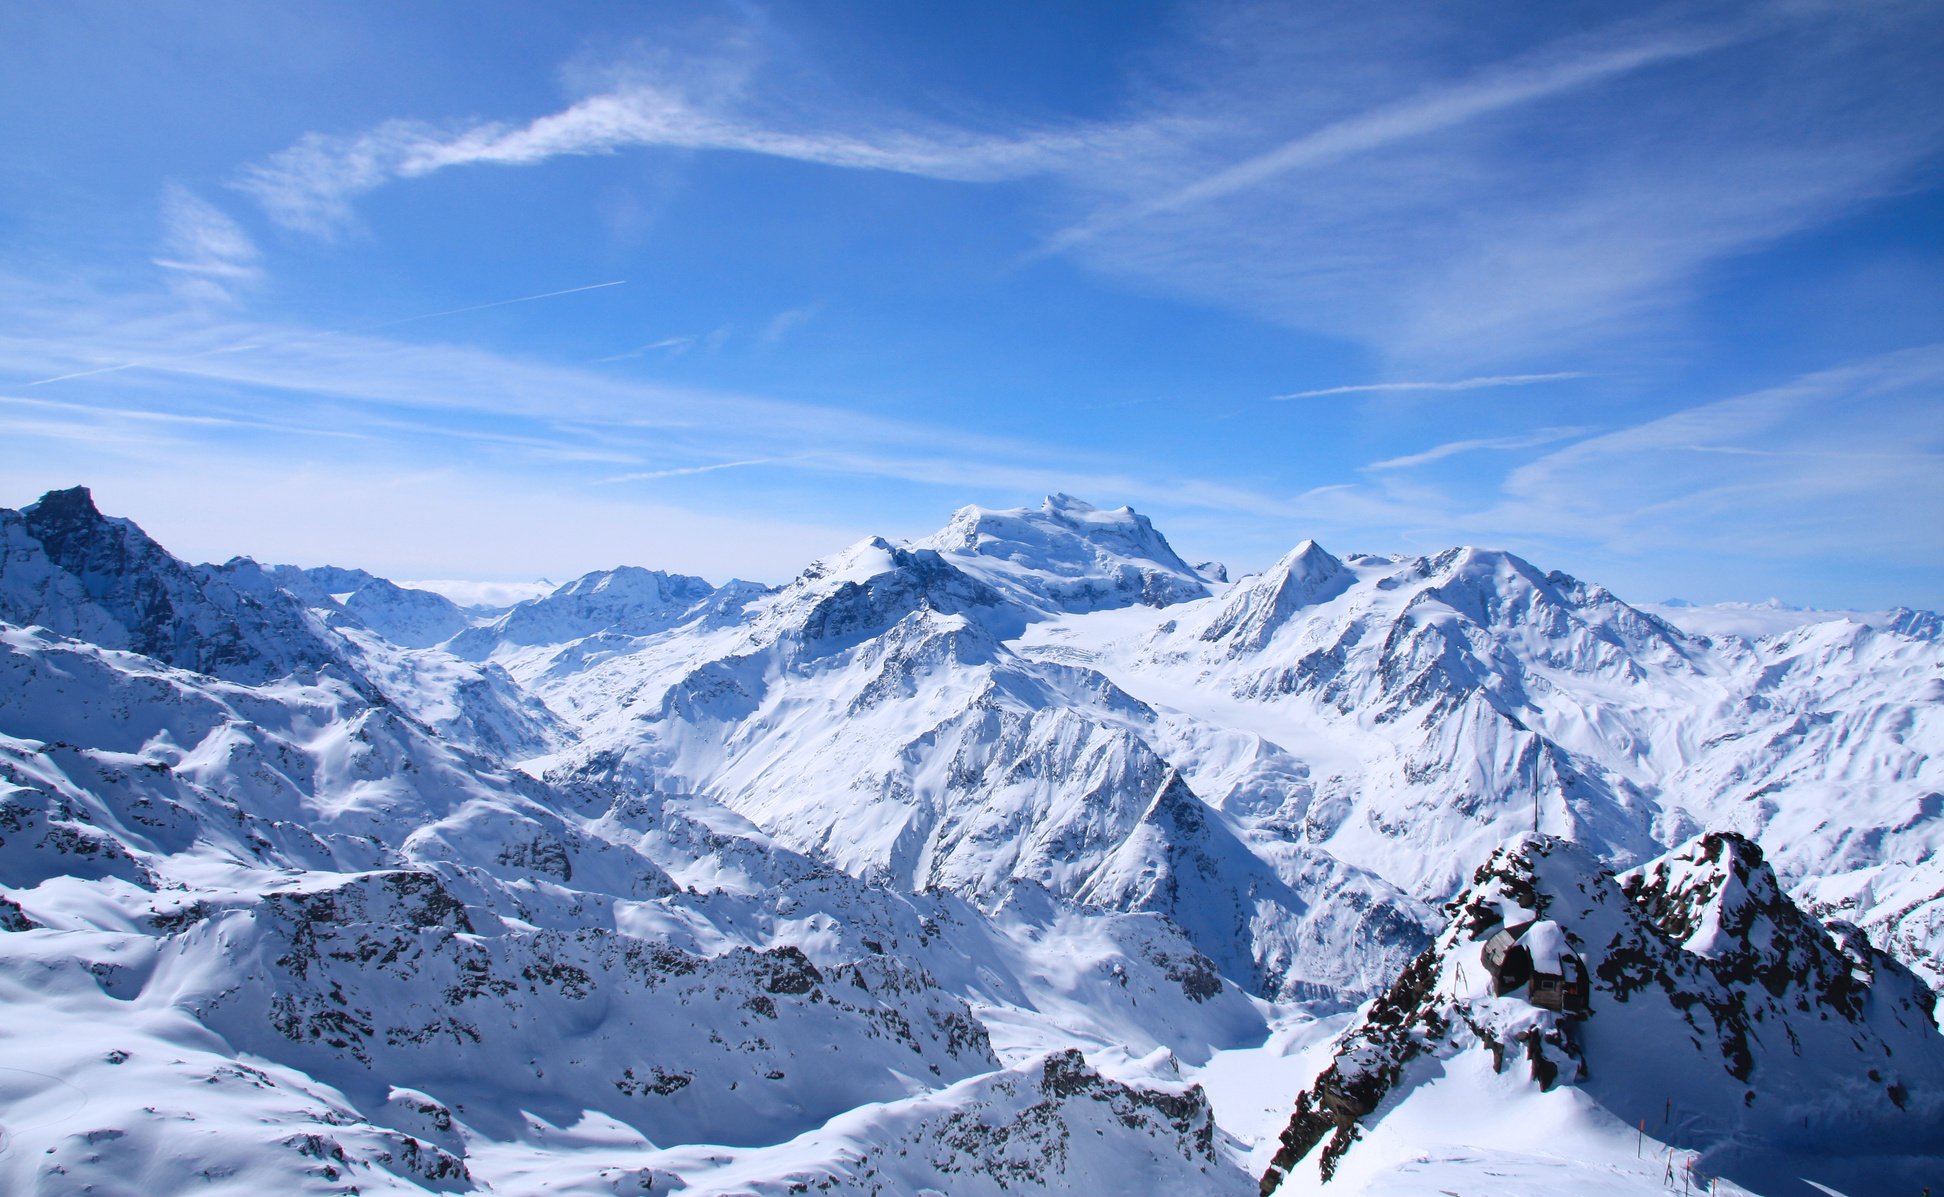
[{"x": 312, "y": 880}]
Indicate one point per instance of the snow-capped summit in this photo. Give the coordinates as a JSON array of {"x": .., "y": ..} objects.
[
  {"x": 407, "y": 617},
  {"x": 1067, "y": 555},
  {"x": 871, "y": 586},
  {"x": 75, "y": 571},
  {"x": 626, "y": 601},
  {"x": 1255, "y": 610}
]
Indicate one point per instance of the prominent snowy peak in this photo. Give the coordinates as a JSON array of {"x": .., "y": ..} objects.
[
  {"x": 1067, "y": 555},
  {"x": 630, "y": 588},
  {"x": 1717, "y": 897},
  {"x": 870, "y": 587},
  {"x": 634, "y": 879},
  {"x": 1261, "y": 606},
  {"x": 1501, "y": 591},
  {"x": 1263, "y": 918},
  {"x": 67, "y": 567},
  {"x": 856, "y": 563},
  {"x": 628, "y": 601},
  {"x": 1397, "y": 635},
  {"x": 874, "y": 714},
  {"x": 1180, "y": 861},
  {"x": 1692, "y": 1000},
  {"x": 1436, "y": 702}
]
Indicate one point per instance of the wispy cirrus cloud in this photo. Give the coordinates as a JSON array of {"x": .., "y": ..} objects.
[
  {"x": 496, "y": 303},
  {"x": 177, "y": 360},
  {"x": 1449, "y": 213},
  {"x": 1847, "y": 460},
  {"x": 436, "y": 402},
  {"x": 1460, "y": 384},
  {"x": 1457, "y": 200},
  {"x": 1760, "y": 478},
  {"x": 208, "y": 254},
  {"x": 1838, "y": 471},
  {"x": 312, "y": 185},
  {"x": 788, "y": 321},
  {"x": 1553, "y": 70},
  {"x": 1545, "y": 436}
]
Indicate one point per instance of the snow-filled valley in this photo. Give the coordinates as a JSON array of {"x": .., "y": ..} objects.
[{"x": 1026, "y": 857}]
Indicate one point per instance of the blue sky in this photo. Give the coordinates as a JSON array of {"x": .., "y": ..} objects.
[{"x": 1654, "y": 295}]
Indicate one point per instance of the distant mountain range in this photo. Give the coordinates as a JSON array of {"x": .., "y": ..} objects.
[{"x": 982, "y": 863}]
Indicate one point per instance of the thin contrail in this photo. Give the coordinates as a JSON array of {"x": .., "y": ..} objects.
[
  {"x": 240, "y": 347},
  {"x": 1462, "y": 384},
  {"x": 149, "y": 362},
  {"x": 685, "y": 471},
  {"x": 498, "y": 303}
]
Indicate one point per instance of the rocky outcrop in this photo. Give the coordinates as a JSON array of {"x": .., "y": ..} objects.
[
  {"x": 1718, "y": 1010},
  {"x": 74, "y": 571}
]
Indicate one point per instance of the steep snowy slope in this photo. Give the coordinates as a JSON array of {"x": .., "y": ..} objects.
[
  {"x": 1454, "y": 691},
  {"x": 1836, "y": 768},
  {"x": 394, "y": 637},
  {"x": 427, "y": 958},
  {"x": 1007, "y": 698},
  {"x": 407, "y": 618},
  {"x": 1753, "y": 1045},
  {"x": 873, "y": 713},
  {"x": 1377, "y": 707}
]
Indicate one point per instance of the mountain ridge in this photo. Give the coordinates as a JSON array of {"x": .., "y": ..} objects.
[{"x": 1034, "y": 825}]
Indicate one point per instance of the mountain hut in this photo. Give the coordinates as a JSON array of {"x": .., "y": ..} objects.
[{"x": 1536, "y": 955}]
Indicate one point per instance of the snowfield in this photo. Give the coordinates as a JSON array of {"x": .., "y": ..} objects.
[{"x": 1026, "y": 857}]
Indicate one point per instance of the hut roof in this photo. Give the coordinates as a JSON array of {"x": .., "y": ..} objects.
[{"x": 1547, "y": 943}]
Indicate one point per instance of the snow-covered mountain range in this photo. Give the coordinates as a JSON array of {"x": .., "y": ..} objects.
[{"x": 1024, "y": 857}]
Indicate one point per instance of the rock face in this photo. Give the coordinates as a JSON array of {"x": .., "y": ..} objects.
[
  {"x": 68, "y": 568},
  {"x": 390, "y": 975},
  {"x": 1721, "y": 1016},
  {"x": 1009, "y": 1132}
]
